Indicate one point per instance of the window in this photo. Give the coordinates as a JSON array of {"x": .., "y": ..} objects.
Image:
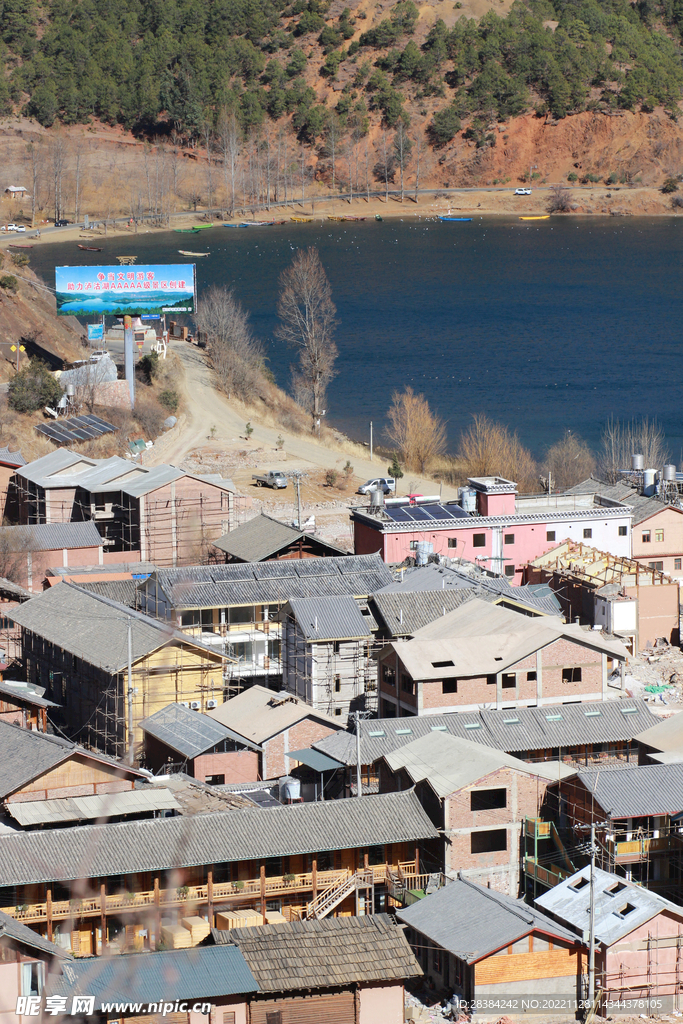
[
  {"x": 337, "y": 684},
  {"x": 413, "y": 545},
  {"x": 509, "y": 570},
  {"x": 677, "y": 563},
  {"x": 571, "y": 675},
  {"x": 273, "y": 867},
  {"x": 627, "y": 908},
  {"x": 449, "y": 686},
  {"x": 376, "y": 855},
  {"x": 336, "y": 646},
  {"x": 659, "y": 536},
  {"x": 32, "y": 979},
  {"x": 656, "y": 565},
  {"x": 646, "y": 536},
  {"x": 214, "y": 780},
  {"x": 488, "y": 799},
  {"x": 452, "y": 542},
  {"x": 623, "y": 531},
  {"x": 531, "y": 677},
  {"x": 442, "y": 664},
  {"x": 580, "y": 884},
  {"x": 550, "y": 535},
  {"x": 508, "y": 538},
  {"x": 479, "y": 540},
  {"x": 509, "y": 680},
  {"x": 614, "y": 890},
  {"x": 491, "y": 840},
  {"x": 407, "y": 684},
  {"x": 388, "y": 675},
  {"x": 436, "y": 959},
  {"x": 491, "y": 680},
  {"x": 228, "y": 1017},
  {"x": 338, "y": 711},
  {"x": 587, "y": 533}
]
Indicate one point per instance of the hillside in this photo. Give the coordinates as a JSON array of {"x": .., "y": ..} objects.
[{"x": 369, "y": 90}]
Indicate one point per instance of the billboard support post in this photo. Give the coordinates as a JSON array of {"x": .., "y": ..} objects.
[{"x": 129, "y": 362}]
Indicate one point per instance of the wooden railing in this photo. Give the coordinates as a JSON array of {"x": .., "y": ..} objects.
[
  {"x": 192, "y": 895},
  {"x": 551, "y": 876},
  {"x": 641, "y": 848}
]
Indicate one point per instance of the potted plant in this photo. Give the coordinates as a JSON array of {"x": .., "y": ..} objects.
[
  {"x": 288, "y": 878},
  {"x": 238, "y": 885},
  {"x": 182, "y": 891}
]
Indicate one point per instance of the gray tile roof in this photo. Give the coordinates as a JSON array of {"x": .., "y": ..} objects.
[
  {"x": 403, "y": 613},
  {"x": 328, "y": 618},
  {"x": 636, "y": 791},
  {"x": 122, "y": 591},
  {"x": 92, "y": 851},
  {"x": 664, "y": 733},
  {"x": 22, "y": 691},
  {"x": 13, "y": 590},
  {"x": 471, "y": 921},
  {"x": 262, "y": 537},
  {"x": 52, "y": 536},
  {"x": 570, "y": 905},
  {"x": 188, "y": 732},
  {"x": 139, "y": 570},
  {"x": 180, "y": 974},
  {"x": 221, "y": 586},
  {"x": 643, "y": 507},
  {"x": 24, "y": 935},
  {"x": 8, "y": 458},
  {"x": 513, "y": 731},
  {"x": 94, "y": 628},
  {"x": 324, "y": 954}
]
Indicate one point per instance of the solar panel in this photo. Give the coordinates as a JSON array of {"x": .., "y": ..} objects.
[
  {"x": 77, "y": 428},
  {"x": 418, "y": 512},
  {"x": 399, "y": 515}
]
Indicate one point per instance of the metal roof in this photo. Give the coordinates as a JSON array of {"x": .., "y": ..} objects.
[
  {"x": 21, "y": 691},
  {"x": 246, "y": 583},
  {"x": 8, "y": 458},
  {"x": 665, "y": 734},
  {"x": 262, "y": 537},
  {"x": 138, "y": 570},
  {"x": 258, "y": 713},
  {"x": 637, "y": 790},
  {"x": 87, "y": 808},
  {"x": 95, "y": 629},
  {"x": 620, "y": 906},
  {"x": 328, "y": 618},
  {"x": 522, "y": 729},
  {"x": 324, "y": 954},
  {"x": 205, "y": 972},
  {"x": 541, "y": 516},
  {"x": 449, "y": 763},
  {"x": 91, "y": 851},
  {"x": 21, "y": 933},
  {"x": 472, "y": 921},
  {"x": 75, "y": 429},
  {"x": 190, "y": 733},
  {"x": 51, "y": 536},
  {"x": 314, "y": 759}
]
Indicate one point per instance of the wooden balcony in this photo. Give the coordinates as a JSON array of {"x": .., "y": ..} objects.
[
  {"x": 190, "y": 898},
  {"x": 634, "y": 850}
]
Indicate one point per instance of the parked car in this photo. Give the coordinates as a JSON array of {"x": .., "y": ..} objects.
[
  {"x": 522, "y": 191},
  {"x": 12, "y": 227},
  {"x": 386, "y": 484},
  {"x": 273, "y": 478},
  {"x": 20, "y": 227},
  {"x": 62, "y": 223}
]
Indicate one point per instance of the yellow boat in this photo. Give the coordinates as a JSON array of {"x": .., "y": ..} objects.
[
  {"x": 301, "y": 220},
  {"x": 337, "y": 218},
  {"x": 544, "y": 216}
]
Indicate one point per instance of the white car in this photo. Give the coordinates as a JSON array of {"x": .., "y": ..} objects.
[
  {"x": 387, "y": 484},
  {"x": 12, "y": 227},
  {"x": 522, "y": 191},
  {"x": 20, "y": 227}
]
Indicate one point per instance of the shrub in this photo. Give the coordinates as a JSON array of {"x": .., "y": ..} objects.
[
  {"x": 149, "y": 414},
  {"x": 560, "y": 200},
  {"x": 676, "y": 202},
  {"x": 148, "y": 365},
  {"x": 8, "y": 282},
  {"x": 572, "y": 176},
  {"x": 169, "y": 399},
  {"x": 669, "y": 186},
  {"x": 33, "y": 387},
  {"x": 444, "y": 126},
  {"x": 331, "y": 477},
  {"x": 248, "y": 430},
  {"x": 19, "y": 260}
]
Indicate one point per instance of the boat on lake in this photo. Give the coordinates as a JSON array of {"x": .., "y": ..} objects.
[
  {"x": 88, "y": 248},
  {"x": 543, "y": 216},
  {"x": 377, "y": 217},
  {"x": 302, "y": 220},
  {"x": 463, "y": 219},
  {"x": 184, "y": 252},
  {"x": 186, "y": 231}
]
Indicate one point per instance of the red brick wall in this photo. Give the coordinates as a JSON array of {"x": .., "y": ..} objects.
[
  {"x": 274, "y": 757},
  {"x": 235, "y": 765},
  {"x": 307, "y": 732},
  {"x": 470, "y": 691},
  {"x": 565, "y": 654}
]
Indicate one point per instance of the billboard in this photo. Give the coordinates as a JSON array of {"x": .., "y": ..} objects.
[{"x": 83, "y": 291}]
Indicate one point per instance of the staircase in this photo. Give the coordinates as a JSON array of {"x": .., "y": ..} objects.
[{"x": 326, "y": 901}]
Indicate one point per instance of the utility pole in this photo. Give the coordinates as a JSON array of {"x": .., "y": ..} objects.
[
  {"x": 359, "y": 781},
  {"x": 591, "y": 925},
  {"x": 370, "y": 440},
  {"x": 131, "y": 738}
]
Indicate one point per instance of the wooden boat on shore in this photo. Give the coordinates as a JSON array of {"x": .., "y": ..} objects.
[
  {"x": 543, "y": 216},
  {"x": 88, "y": 248},
  {"x": 186, "y": 231},
  {"x": 15, "y": 245},
  {"x": 184, "y": 252},
  {"x": 461, "y": 219},
  {"x": 302, "y": 220}
]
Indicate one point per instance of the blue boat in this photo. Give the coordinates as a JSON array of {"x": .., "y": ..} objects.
[{"x": 455, "y": 218}]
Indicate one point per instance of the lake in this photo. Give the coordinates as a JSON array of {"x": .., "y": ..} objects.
[{"x": 542, "y": 326}]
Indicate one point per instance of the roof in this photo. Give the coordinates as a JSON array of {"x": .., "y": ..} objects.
[
  {"x": 203, "y": 972},
  {"x": 27, "y": 692},
  {"x": 595, "y": 568},
  {"x": 522, "y": 729},
  {"x": 449, "y": 763},
  {"x": 95, "y": 629},
  {"x": 8, "y": 458},
  {"x": 643, "y": 507},
  {"x": 190, "y": 733},
  {"x": 216, "y": 586},
  {"x": 138, "y": 570},
  {"x": 122, "y": 591},
  {"x": 329, "y": 953},
  {"x": 637, "y": 790},
  {"x": 257, "y": 713},
  {"x": 21, "y": 933},
  {"x": 262, "y": 537},
  {"x": 91, "y": 851},
  {"x": 14, "y": 590},
  {"x": 472, "y": 921},
  {"x": 26, "y": 754},
  {"x": 613, "y": 894},
  {"x": 403, "y": 613},
  {"x": 52, "y": 536},
  {"x": 77, "y": 428},
  {"x": 314, "y": 759},
  {"x": 666, "y": 734},
  {"x": 87, "y": 808},
  {"x": 328, "y": 618}
]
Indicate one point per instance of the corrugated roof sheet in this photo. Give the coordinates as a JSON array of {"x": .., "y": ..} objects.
[
  {"x": 27, "y": 937},
  {"x": 139, "y": 570},
  {"x": 262, "y": 537},
  {"x": 86, "y": 808},
  {"x": 636, "y": 791},
  {"x": 471, "y": 921},
  {"x": 25, "y": 692},
  {"x": 188, "y": 732},
  {"x": 88, "y": 851},
  {"x": 314, "y": 759},
  {"x": 8, "y": 458},
  {"x": 205, "y": 972},
  {"x": 94, "y": 628},
  {"x": 404, "y": 612},
  {"x": 122, "y": 591},
  {"x": 664, "y": 734},
  {"x": 51, "y": 536},
  {"x": 548, "y": 726},
  {"x": 218, "y": 586},
  {"x": 328, "y": 618},
  {"x": 258, "y": 713},
  {"x": 570, "y": 905},
  {"x": 324, "y": 954}
]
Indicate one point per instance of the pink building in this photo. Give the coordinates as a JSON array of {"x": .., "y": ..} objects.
[
  {"x": 26, "y": 959},
  {"x": 491, "y": 525}
]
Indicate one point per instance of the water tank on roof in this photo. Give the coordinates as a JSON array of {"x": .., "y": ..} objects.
[
  {"x": 290, "y": 789},
  {"x": 425, "y": 548},
  {"x": 468, "y": 499},
  {"x": 649, "y": 478},
  {"x": 377, "y": 497},
  {"x": 637, "y": 463},
  {"x": 669, "y": 472}
]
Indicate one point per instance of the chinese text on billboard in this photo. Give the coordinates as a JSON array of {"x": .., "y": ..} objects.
[{"x": 81, "y": 291}]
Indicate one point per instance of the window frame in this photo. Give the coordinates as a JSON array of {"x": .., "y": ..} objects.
[
  {"x": 588, "y": 533},
  {"x": 478, "y": 540}
]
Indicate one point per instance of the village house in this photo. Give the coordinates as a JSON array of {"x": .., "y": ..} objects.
[
  {"x": 277, "y": 724},
  {"x": 264, "y": 539},
  {"x": 9, "y": 463},
  {"x": 491, "y": 525},
  {"x": 11, "y": 596},
  {"x": 26, "y": 963},
  {"x": 623, "y": 596},
  {"x": 304, "y": 860},
  {"x": 478, "y": 798},
  {"x": 80, "y": 646},
  {"x": 662, "y": 741},
  {"x": 483, "y": 655},
  {"x": 482, "y": 944},
  {"x": 28, "y": 551},
  {"x": 638, "y": 936},
  {"x": 24, "y": 704},
  {"x": 235, "y": 607}
]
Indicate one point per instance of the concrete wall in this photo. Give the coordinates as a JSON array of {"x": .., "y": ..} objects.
[
  {"x": 381, "y": 1003},
  {"x": 666, "y": 550},
  {"x": 658, "y": 612},
  {"x": 657, "y": 944}
]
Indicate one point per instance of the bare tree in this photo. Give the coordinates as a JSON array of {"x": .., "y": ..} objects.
[
  {"x": 621, "y": 440},
  {"x": 332, "y": 137},
  {"x": 570, "y": 461},
  {"x": 57, "y": 155},
  {"x": 35, "y": 162},
  {"x": 418, "y": 434},
  {"x": 402, "y": 148},
  {"x": 16, "y": 543},
  {"x": 236, "y": 355},
  {"x": 419, "y": 149},
  {"x": 488, "y": 448},
  {"x": 78, "y": 153},
  {"x": 307, "y": 322},
  {"x": 229, "y": 135},
  {"x": 559, "y": 200}
]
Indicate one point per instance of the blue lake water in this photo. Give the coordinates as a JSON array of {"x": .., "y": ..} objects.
[{"x": 542, "y": 326}]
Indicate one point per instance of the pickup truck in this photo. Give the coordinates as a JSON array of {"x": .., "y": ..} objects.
[{"x": 273, "y": 478}]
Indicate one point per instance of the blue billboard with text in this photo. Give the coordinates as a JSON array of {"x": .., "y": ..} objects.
[{"x": 116, "y": 291}]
